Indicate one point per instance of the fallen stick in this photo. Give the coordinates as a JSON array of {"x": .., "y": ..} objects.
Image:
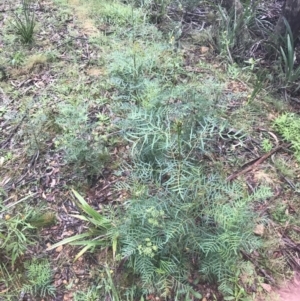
[
  {"x": 255, "y": 163},
  {"x": 258, "y": 266}
]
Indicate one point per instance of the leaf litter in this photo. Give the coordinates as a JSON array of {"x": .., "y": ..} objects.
[{"x": 42, "y": 173}]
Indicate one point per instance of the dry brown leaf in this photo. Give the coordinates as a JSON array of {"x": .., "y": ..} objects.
[
  {"x": 266, "y": 287},
  {"x": 204, "y": 49},
  {"x": 259, "y": 230},
  {"x": 59, "y": 249}
]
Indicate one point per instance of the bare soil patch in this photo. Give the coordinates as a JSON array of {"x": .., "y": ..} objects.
[{"x": 291, "y": 290}]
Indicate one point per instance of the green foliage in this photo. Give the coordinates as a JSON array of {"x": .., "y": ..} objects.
[
  {"x": 82, "y": 144},
  {"x": 25, "y": 23},
  {"x": 258, "y": 85},
  {"x": 239, "y": 29},
  {"x": 17, "y": 228},
  {"x": 232, "y": 33},
  {"x": 92, "y": 294},
  {"x": 39, "y": 278},
  {"x": 139, "y": 72},
  {"x": 102, "y": 231},
  {"x": 279, "y": 213},
  {"x": 178, "y": 211},
  {"x": 286, "y": 167},
  {"x": 291, "y": 74},
  {"x": 116, "y": 13},
  {"x": 42, "y": 219},
  {"x": 180, "y": 219},
  {"x": 288, "y": 125},
  {"x": 267, "y": 145},
  {"x": 17, "y": 59},
  {"x": 37, "y": 125},
  {"x": 15, "y": 232},
  {"x": 11, "y": 279}
]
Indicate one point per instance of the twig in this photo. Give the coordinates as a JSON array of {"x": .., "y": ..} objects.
[
  {"x": 255, "y": 163},
  {"x": 19, "y": 201},
  {"x": 256, "y": 264},
  {"x": 108, "y": 185},
  {"x": 71, "y": 39},
  {"x": 13, "y": 132}
]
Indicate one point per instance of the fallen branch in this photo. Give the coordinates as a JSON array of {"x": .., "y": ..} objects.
[
  {"x": 258, "y": 266},
  {"x": 254, "y": 163}
]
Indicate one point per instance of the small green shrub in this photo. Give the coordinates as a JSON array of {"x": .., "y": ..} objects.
[
  {"x": 38, "y": 126},
  {"x": 177, "y": 210},
  {"x": 39, "y": 278},
  {"x": 288, "y": 125},
  {"x": 148, "y": 74},
  {"x": 17, "y": 59},
  {"x": 266, "y": 145},
  {"x": 17, "y": 228},
  {"x": 15, "y": 232},
  {"x": 25, "y": 23},
  {"x": 286, "y": 167}
]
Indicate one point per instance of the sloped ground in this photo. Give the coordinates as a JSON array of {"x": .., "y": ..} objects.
[{"x": 67, "y": 61}]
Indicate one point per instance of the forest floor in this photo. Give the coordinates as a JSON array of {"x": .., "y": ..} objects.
[
  {"x": 290, "y": 291},
  {"x": 70, "y": 60}
]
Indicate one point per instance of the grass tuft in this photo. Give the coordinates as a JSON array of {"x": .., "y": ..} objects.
[{"x": 25, "y": 22}]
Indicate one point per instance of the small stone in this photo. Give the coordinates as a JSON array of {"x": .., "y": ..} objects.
[
  {"x": 58, "y": 282},
  {"x": 266, "y": 287},
  {"x": 204, "y": 49},
  {"x": 59, "y": 249},
  {"x": 259, "y": 229}
]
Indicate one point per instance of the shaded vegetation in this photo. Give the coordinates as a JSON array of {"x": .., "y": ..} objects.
[{"x": 146, "y": 141}]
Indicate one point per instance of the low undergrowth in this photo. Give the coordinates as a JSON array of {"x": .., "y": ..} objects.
[
  {"x": 165, "y": 126},
  {"x": 288, "y": 125}
]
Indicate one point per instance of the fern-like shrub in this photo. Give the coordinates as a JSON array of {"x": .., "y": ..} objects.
[
  {"x": 288, "y": 125},
  {"x": 182, "y": 217},
  {"x": 166, "y": 237},
  {"x": 141, "y": 72}
]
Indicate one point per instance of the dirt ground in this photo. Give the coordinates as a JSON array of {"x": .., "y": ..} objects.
[{"x": 291, "y": 291}]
